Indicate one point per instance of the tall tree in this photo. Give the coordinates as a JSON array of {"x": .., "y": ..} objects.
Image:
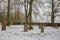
[
  {"x": 8, "y": 12},
  {"x": 52, "y": 16},
  {"x": 30, "y": 13},
  {"x": 26, "y": 18},
  {"x": 15, "y": 8}
]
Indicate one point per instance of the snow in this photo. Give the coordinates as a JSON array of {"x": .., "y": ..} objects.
[{"x": 15, "y": 32}]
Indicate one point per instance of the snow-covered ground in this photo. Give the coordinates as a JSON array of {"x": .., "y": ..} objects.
[{"x": 15, "y": 32}]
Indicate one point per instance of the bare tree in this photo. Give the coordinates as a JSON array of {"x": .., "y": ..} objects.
[
  {"x": 8, "y": 12},
  {"x": 52, "y": 16},
  {"x": 26, "y": 18},
  {"x": 30, "y": 14},
  {"x": 55, "y": 9}
]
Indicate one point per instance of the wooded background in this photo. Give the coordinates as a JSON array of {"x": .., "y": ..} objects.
[{"x": 30, "y": 12}]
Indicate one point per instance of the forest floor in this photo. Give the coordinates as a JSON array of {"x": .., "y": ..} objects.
[{"x": 15, "y": 32}]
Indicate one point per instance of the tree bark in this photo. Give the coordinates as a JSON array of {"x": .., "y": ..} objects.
[
  {"x": 30, "y": 14},
  {"x": 42, "y": 29},
  {"x": 26, "y": 18},
  {"x": 3, "y": 25},
  {"x": 8, "y": 12},
  {"x": 52, "y": 16}
]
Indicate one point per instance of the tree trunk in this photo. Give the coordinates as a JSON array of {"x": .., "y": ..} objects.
[
  {"x": 8, "y": 13},
  {"x": 0, "y": 18},
  {"x": 15, "y": 15},
  {"x": 30, "y": 14},
  {"x": 52, "y": 16},
  {"x": 18, "y": 16},
  {"x": 3, "y": 25},
  {"x": 56, "y": 26},
  {"x": 26, "y": 18},
  {"x": 42, "y": 29}
]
